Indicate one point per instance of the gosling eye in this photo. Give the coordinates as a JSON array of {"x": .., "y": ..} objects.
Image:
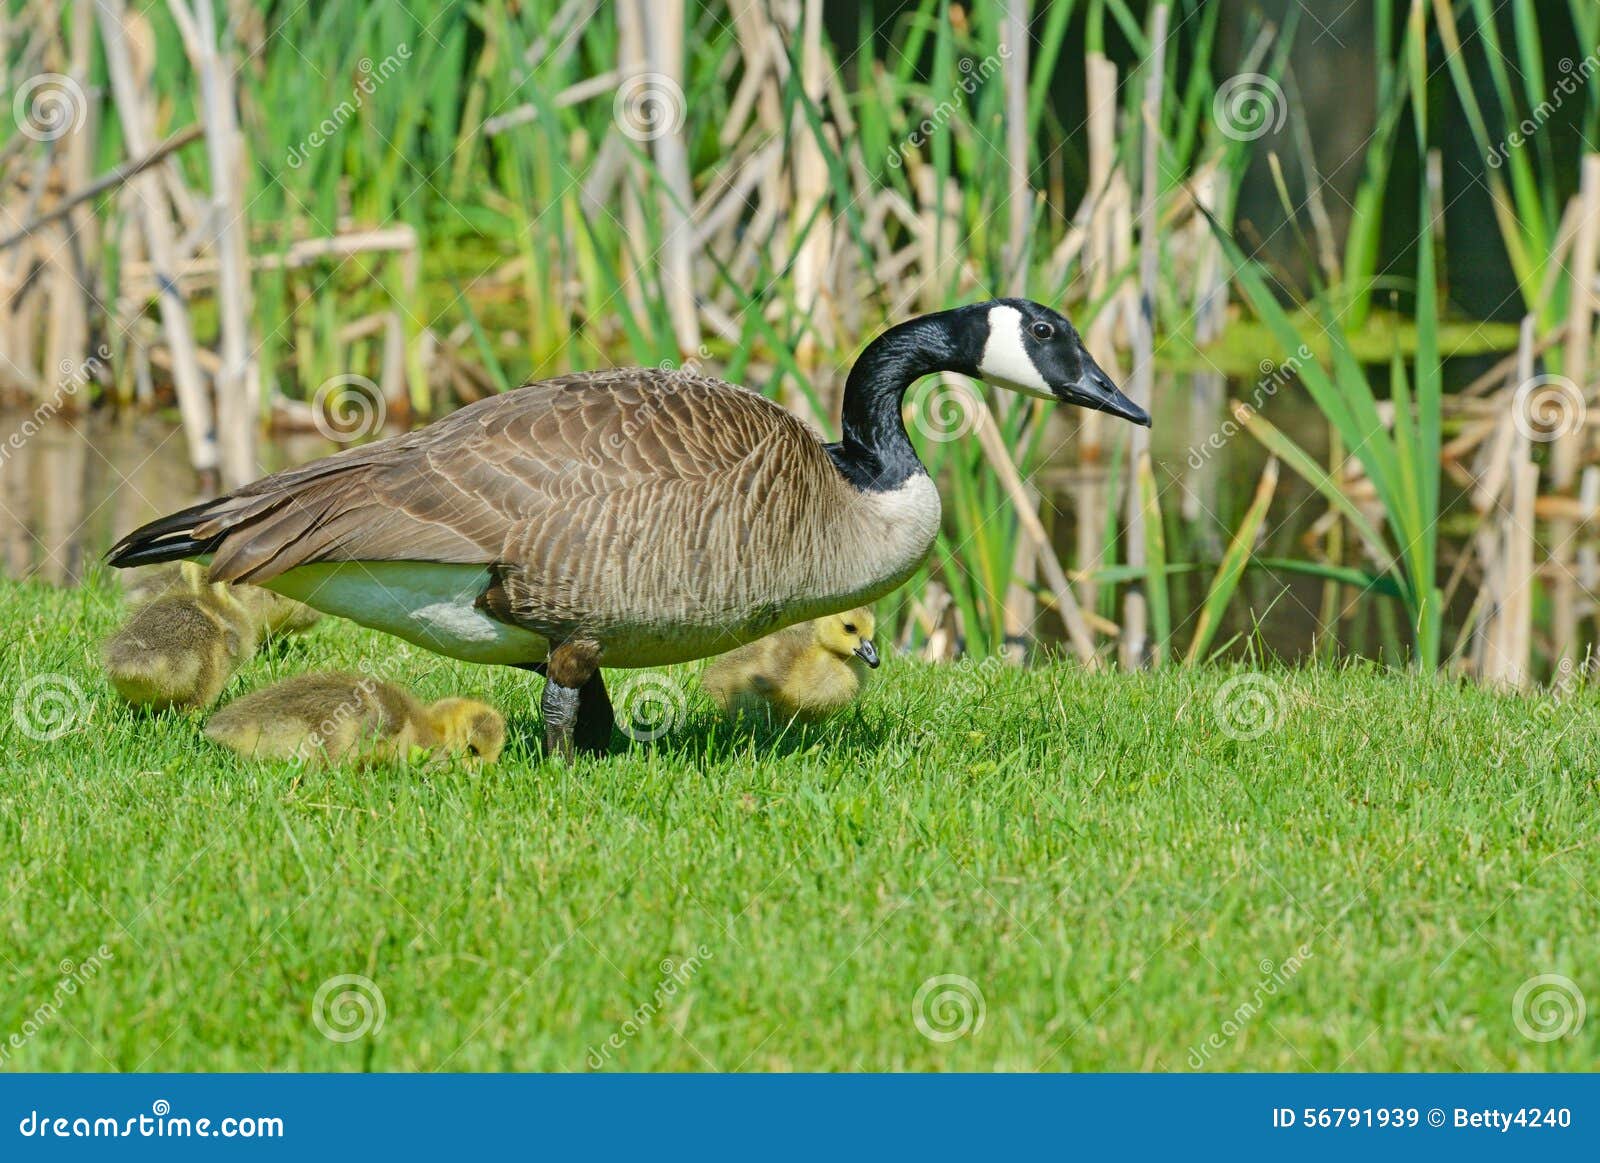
[
  {"x": 849, "y": 627},
  {"x": 472, "y": 750},
  {"x": 1042, "y": 330}
]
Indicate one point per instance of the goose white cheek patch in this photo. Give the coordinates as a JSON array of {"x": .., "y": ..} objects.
[{"x": 1005, "y": 360}]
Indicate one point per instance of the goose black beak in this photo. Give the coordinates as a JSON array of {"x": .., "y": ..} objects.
[
  {"x": 1095, "y": 390},
  {"x": 868, "y": 653}
]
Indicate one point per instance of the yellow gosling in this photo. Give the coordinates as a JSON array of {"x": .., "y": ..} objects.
[
  {"x": 180, "y": 648},
  {"x": 337, "y": 718},
  {"x": 804, "y": 672}
]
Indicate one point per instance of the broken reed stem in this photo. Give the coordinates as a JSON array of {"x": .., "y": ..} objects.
[{"x": 107, "y": 181}]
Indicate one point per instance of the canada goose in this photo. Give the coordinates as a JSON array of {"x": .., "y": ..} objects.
[
  {"x": 631, "y": 518},
  {"x": 339, "y": 716},
  {"x": 804, "y": 672},
  {"x": 180, "y": 648}
]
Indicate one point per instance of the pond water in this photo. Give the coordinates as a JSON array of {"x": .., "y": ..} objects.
[{"x": 68, "y": 492}]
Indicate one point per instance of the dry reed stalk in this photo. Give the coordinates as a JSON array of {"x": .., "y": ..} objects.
[
  {"x": 1508, "y": 489},
  {"x": 1019, "y": 192},
  {"x": 1093, "y": 512},
  {"x": 632, "y": 60},
  {"x": 994, "y": 449},
  {"x": 811, "y": 212},
  {"x": 1135, "y": 645},
  {"x": 237, "y": 384},
  {"x": 128, "y": 89},
  {"x": 1567, "y": 448},
  {"x": 1021, "y": 608},
  {"x": 663, "y": 24},
  {"x": 67, "y": 321}
]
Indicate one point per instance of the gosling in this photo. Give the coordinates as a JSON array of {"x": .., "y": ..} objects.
[
  {"x": 804, "y": 672},
  {"x": 273, "y": 614},
  {"x": 337, "y": 717},
  {"x": 180, "y": 648}
]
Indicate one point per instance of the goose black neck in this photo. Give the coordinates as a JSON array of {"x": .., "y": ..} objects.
[{"x": 876, "y": 455}]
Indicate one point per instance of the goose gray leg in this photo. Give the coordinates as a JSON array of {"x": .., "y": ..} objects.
[
  {"x": 575, "y": 705},
  {"x": 592, "y": 733}
]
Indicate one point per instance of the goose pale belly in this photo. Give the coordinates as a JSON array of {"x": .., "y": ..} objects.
[{"x": 653, "y": 609}]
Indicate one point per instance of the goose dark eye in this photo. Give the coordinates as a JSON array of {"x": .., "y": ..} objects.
[
  {"x": 472, "y": 749},
  {"x": 1042, "y": 330},
  {"x": 849, "y": 627}
]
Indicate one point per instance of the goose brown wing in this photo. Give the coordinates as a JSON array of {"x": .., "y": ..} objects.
[{"x": 522, "y": 479}]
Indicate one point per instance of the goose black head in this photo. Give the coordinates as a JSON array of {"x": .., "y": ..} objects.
[{"x": 1026, "y": 347}]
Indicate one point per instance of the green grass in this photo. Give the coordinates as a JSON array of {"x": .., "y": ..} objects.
[{"x": 1093, "y": 851}]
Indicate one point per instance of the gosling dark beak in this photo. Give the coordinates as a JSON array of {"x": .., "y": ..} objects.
[
  {"x": 1095, "y": 390},
  {"x": 868, "y": 653}
]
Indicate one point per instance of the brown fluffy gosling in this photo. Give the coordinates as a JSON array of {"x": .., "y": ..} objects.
[
  {"x": 180, "y": 648},
  {"x": 804, "y": 672},
  {"x": 339, "y": 718}
]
